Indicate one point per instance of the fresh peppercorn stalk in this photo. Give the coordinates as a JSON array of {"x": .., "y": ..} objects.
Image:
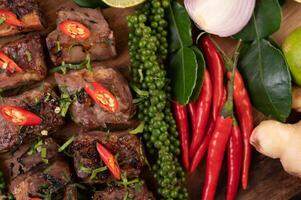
[{"x": 148, "y": 50}]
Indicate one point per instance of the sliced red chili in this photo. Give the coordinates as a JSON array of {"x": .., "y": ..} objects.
[
  {"x": 8, "y": 64},
  {"x": 109, "y": 160},
  {"x": 10, "y": 18},
  {"x": 102, "y": 96},
  {"x": 35, "y": 198},
  {"x": 19, "y": 116},
  {"x": 75, "y": 29}
]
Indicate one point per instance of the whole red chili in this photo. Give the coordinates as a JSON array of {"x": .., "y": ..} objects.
[
  {"x": 181, "y": 118},
  {"x": 109, "y": 160},
  {"x": 19, "y": 116},
  {"x": 102, "y": 96},
  {"x": 75, "y": 29},
  {"x": 10, "y": 18},
  {"x": 215, "y": 65},
  {"x": 202, "y": 111},
  {"x": 235, "y": 147},
  {"x": 8, "y": 64},
  {"x": 245, "y": 117},
  {"x": 216, "y": 150},
  {"x": 199, "y": 155}
]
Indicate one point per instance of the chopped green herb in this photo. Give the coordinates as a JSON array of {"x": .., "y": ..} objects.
[
  {"x": 65, "y": 102},
  {"x": 139, "y": 129},
  {"x": 28, "y": 55},
  {"x": 34, "y": 147},
  {"x": 126, "y": 195},
  {"x": 97, "y": 171},
  {"x": 66, "y": 144},
  {"x": 85, "y": 169},
  {"x": 127, "y": 183},
  {"x": 44, "y": 155},
  {"x": 2, "y": 20},
  {"x": 138, "y": 91}
]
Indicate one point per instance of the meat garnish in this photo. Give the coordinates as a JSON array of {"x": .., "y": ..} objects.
[
  {"x": 22, "y": 62},
  {"x": 84, "y": 110},
  {"x": 80, "y": 32},
  {"x": 41, "y": 101},
  {"x": 20, "y": 16},
  {"x": 125, "y": 147}
]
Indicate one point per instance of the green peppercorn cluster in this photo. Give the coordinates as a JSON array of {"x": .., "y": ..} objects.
[{"x": 148, "y": 49}]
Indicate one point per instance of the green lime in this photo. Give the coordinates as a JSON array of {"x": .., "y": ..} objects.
[
  {"x": 123, "y": 3},
  {"x": 292, "y": 51}
]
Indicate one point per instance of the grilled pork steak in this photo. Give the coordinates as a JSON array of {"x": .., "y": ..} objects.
[
  {"x": 100, "y": 45},
  {"x": 28, "y": 157},
  {"x": 28, "y": 54},
  {"x": 84, "y": 110},
  {"x": 27, "y": 11},
  {"x": 49, "y": 182},
  {"x": 41, "y": 101},
  {"x": 137, "y": 192},
  {"x": 127, "y": 149}
]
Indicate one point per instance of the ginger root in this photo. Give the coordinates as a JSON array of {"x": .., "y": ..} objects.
[
  {"x": 279, "y": 140},
  {"x": 296, "y": 98}
]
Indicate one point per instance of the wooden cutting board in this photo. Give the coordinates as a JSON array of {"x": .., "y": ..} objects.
[{"x": 268, "y": 181}]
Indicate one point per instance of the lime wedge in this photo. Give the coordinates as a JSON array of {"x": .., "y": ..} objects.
[{"x": 123, "y": 3}]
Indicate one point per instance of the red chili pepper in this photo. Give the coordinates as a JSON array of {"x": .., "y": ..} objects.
[
  {"x": 191, "y": 111},
  {"x": 8, "y": 64},
  {"x": 19, "y": 116},
  {"x": 216, "y": 149},
  {"x": 235, "y": 148},
  {"x": 215, "y": 65},
  {"x": 181, "y": 118},
  {"x": 102, "y": 96},
  {"x": 75, "y": 29},
  {"x": 199, "y": 155},
  {"x": 245, "y": 117},
  {"x": 109, "y": 161},
  {"x": 202, "y": 110},
  {"x": 35, "y": 198},
  {"x": 10, "y": 18}
]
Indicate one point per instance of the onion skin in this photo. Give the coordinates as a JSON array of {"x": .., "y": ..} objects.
[{"x": 220, "y": 17}]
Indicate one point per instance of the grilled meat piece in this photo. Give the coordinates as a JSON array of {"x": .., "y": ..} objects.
[
  {"x": 27, "y": 53},
  {"x": 84, "y": 110},
  {"x": 50, "y": 182},
  {"x": 27, "y": 11},
  {"x": 64, "y": 48},
  {"x": 137, "y": 192},
  {"x": 126, "y": 147},
  {"x": 28, "y": 157},
  {"x": 41, "y": 101}
]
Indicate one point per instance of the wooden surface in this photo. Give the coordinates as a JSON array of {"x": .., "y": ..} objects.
[{"x": 267, "y": 179}]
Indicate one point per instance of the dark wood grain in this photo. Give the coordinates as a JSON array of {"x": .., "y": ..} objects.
[{"x": 268, "y": 181}]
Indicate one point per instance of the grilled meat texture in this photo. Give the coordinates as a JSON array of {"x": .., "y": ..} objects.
[
  {"x": 85, "y": 111},
  {"x": 100, "y": 45},
  {"x": 137, "y": 192},
  {"x": 26, "y": 158},
  {"x": 27, "y": 11},
  {"x": 28, "y": 54},
  {"x": 42, "y": 101},
  {"x": 128, "y": 149},
  {"x": 50, "y": 182}
]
